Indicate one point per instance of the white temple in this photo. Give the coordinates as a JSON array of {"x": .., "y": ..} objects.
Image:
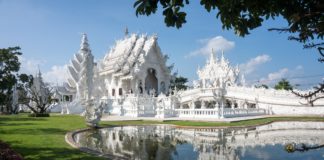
[{"x": 133, "y": 80}]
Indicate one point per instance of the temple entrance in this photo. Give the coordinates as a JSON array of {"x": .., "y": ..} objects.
[
  {"x": 162, "y": 87},
  {"x": 140, "y": 88},
  {"x": 151, "y": 81}
]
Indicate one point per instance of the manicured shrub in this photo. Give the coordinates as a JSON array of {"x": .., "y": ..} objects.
[{"x": 38, "y": 115}]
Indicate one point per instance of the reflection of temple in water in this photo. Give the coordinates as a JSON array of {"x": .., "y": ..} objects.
[{"x": 167, "y": 142}]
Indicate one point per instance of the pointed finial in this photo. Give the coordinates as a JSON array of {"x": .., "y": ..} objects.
[
  {"x": 84, "y": 46},
  {"x": 126, "y": 31},
  {"x": 222, "y": 58},
  {"x": 39, "y": 72},
  {"x": 155, "y": 36},
  {"x": 84, "y": 38},
  {"x": 243, "y": 83},
  {"x": 212, "y": 58}
]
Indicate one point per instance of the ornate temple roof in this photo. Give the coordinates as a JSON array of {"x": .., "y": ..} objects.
[
  {"x": 219, "y": 70},
  {"x": 130, "y": 53}
]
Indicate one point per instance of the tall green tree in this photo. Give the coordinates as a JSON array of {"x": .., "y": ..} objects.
[
  {"x": 9, "y": 67},
  {"x": 179, "y": 82},
  {"x": 11, "y": 80},
  {"x": 283, "y": 84}
]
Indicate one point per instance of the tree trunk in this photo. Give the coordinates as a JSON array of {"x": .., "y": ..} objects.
[{"x": 42, "y": 109}]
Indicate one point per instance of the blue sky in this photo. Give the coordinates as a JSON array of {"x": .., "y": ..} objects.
[{"x": 49, "y": 34}]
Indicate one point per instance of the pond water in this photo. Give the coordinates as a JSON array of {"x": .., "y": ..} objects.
[{"x": 279, "y": 140}]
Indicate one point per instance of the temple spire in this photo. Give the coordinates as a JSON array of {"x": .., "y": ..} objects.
[
  {"x": 84, "y": 46},
  {"x": 126, "y": 31},
  {"x": 222, "y": 58},
  {"x": 39, "y": 72},
  {"x": 212, "y": 57},
  {"x": 243, "y": 83}
]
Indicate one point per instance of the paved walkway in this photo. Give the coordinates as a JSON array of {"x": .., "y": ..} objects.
[{"x": 125, "y": 118}]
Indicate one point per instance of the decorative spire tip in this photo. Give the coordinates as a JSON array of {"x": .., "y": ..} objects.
[{"x": 126, "y": 31}]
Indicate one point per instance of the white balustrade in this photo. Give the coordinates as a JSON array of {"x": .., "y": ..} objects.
[
  {"x": 216, "y": 113},
  {"x": 229, "y": 112},
  {"x": 198, "y": 113}
]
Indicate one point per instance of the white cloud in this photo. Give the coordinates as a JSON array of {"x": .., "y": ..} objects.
[
  {"x": 253, "y": 63},
  {"x": 57, "y": 74},
  {"x": 29, "y": 66},
  {"x": 282, "y": 73},
  {"x": 217, "y": 43},
  {"x": 299, "y": 67},
  {"x": 290, "y": 74}
]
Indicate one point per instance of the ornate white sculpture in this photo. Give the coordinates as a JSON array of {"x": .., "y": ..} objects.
[
  {"x": 218, "y": 71},
  {"x": 82, "y": 72},
  {"x": 79, "y": 68},
  {"x": 93, "y": 112}
]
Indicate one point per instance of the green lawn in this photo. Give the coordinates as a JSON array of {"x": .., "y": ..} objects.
[{"x": 43, "y": 138}]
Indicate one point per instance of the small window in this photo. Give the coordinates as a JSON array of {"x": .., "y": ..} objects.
[
  {"x": 120, "y": 91},
  {"x": 67, "y": 98},
  {"x": 113, "y": 92}
]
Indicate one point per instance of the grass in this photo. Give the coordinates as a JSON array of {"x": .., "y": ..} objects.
[{"x": 43, "y": 138}]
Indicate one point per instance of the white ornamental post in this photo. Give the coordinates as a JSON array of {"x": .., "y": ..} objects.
[{"x": 222, "y": 110}]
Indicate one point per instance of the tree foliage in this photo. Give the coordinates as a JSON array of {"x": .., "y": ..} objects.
[
  {"x": 9, "y": 67},
  {"x": 283, "y": 84},
  {"x": 179, "y": 83},
  {"x": 303, "y": 17},
  {"x": 34, "y": 95},
  {"x": 262, "y": 86}
]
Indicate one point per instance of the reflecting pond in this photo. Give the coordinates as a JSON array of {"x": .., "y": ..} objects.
[{"x": 279, "y": 140}]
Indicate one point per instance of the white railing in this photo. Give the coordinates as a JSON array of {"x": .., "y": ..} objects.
[
  {"x": 217, "y": 113},
  {"x": 198, "y": 113},
  {"x": 162, "y": 107},
  {"x": 228, "y": 112}
]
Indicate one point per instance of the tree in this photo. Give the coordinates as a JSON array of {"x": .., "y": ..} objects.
[
  {"x": 312, "y": 96},
  {"x": 304, "y": 17},
  {"x": 19, "y": 91},
  {"x": 283, "y": 84},
  {"x": 36, "y": 94},
  {"x": 9, "y": 66},
  {"x": 179, "y": 82},
  {"x": 262, "y": 86},
  {"x": 305, "y": 20}
]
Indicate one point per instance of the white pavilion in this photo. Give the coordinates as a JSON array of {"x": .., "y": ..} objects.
[{"x": 133, "y": 80}]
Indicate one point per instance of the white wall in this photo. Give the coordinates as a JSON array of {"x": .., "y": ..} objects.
[{"x": 293, "y": 110}]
